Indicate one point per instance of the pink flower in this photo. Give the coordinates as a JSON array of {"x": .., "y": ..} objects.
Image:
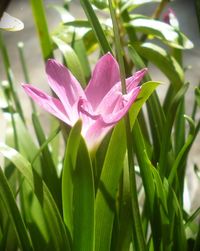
[
  {"x": 100, "y": 106},
  {"x": 170, "y": 18}
]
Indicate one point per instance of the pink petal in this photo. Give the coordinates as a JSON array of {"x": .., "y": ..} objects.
[
  {"x": 106, "y": 121},
  {"x": 48, "y": 103},
  {"x": 131, "y": 83},
  {"x": 96, "y": 133},
  {"x": 111, "y": 100},
  {"x": 63, "y": 83},
  {"x": 118, "y": 107},
  {"x": 105, "y": 76},
  {"x": 134, "y": 80},
  {"x": 85, "y": 112}
]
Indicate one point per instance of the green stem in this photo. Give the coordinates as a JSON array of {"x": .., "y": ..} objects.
[
  {"x": 160, "y": 8},
  {"x": 10, "y": 77},
  {"x": 195, "y": 105},
  {"x": 42, "y": 28},
  {"x": 11, "y": 112},
  {"x": 133, "y": 187},
  {"x": 24, "y": 68},
  {"x": 96, "y": 26}
]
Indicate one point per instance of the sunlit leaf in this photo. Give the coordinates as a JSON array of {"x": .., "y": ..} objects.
[
  {"x": 111, "y": 172},
  {"x": 96, "y": 26},
  {"x": 164, "y": 61},
  {"x": 71, "y": 59},
  {"x": 101, "y": 4},
  {"x": 78, "y": 191},
  {"x": 197, "y": 95},
  {"x": 162, "y": 31},
  {"x": 53, "y": 219},
  {"x": 64, "y": 13},
  {"x": 14, "y": 214},
  {"x": 133, "y": 4}
]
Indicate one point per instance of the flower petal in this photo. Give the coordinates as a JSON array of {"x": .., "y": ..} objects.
[
  {"x": 63, "y": 83},
  {"x": 134, "y": 80},
  {"x": 117, "y": 105},
  {"x": 105, "y": 122},
  {"x": 110, "y": 98},
  {"x": 95, "y": 134},
  {"x": 105, "y": 76},
  {"x": 48, "y": 103}
]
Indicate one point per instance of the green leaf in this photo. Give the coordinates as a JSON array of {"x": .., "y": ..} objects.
[
  {"x": 156, "y": 207},
  {"x": 197, "y": 95},
  {"x": 49, "y": 172},
  {"x": 101, "y": 4},
  {"x": 80, "y": 50},
  {"x": 161, "y": 219},
  {"x": 67, "y": 177},
  {"x": 133, "y": 4},
  {"x": 42, "y": 28},
  {"x": 84, "y": 196},
  {"x": 96, "y": 26},
  {"x": 162, "y": 31},
  {"x": 10, "y": 91},
  {"x": 182, "y": 155},
  {"x": 124, "y": 237},
  {"x": 25, "y": 142},
  {"x": 197, "y": 8},
  {"x": 178, "y": 237},
  {"x": 106, "y": 193},
  {"x": 64, "y": 13},
  {"x": 111, "y": 172},
  {"x": 166, "y": 147},
  {"x": 53, "y": 219},
  {"x": 14, "y": 213},
  {"x": 71, "y": 59},
  {"x": 164, "y": 61},
  {"x": 78, "y": 191},
  {"x": 155, "y": 111},
  {"x": 193, "y": 217},
  {"x": 78, "y": 23}
]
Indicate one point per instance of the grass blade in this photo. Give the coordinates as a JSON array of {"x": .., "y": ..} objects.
[
  {"x": 42, "y": 28},
  {"x": 55, "y": 224},
  {"x": 96, "y": 26},
  {"x": 14, "y": 214}
]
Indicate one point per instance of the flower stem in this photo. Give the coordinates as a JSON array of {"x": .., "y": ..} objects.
[
  {"x": 24, "y": 68},
  {"x": 10, "y": 77},
  {"x": 42, "y": 28},
  {"x": 133, "y": 188},
  {"x": 160, "y": 8}
]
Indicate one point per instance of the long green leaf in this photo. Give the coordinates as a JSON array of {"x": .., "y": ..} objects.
[
  {"x": 163, "y": 31},
  {"x": 137, "y": 222},
  {"x": 42, "y": 28},
  {"x": 166, "y": 140},
  {"x": 14, "y": 214},
  {"x": 49, "y": 172},
  {"x": 71, "y": 59},
  {"x": 111, "y": 172},
  {"x": 181, "y": 157},
  {"x": 197, "y": 7},
  {"x": 67, "y": 177},
  {"x": 96, "y": 26},
  {"x": 78, "y": 192},
  {"x": 164, "y": 61},
  {"x": 84, "y": 196},
  {"x": 133, "y": 4},
  {"x": 10, "y": 77},
  {"x": 55, "y": 225},
  {"x": 155, "y": 111}
]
